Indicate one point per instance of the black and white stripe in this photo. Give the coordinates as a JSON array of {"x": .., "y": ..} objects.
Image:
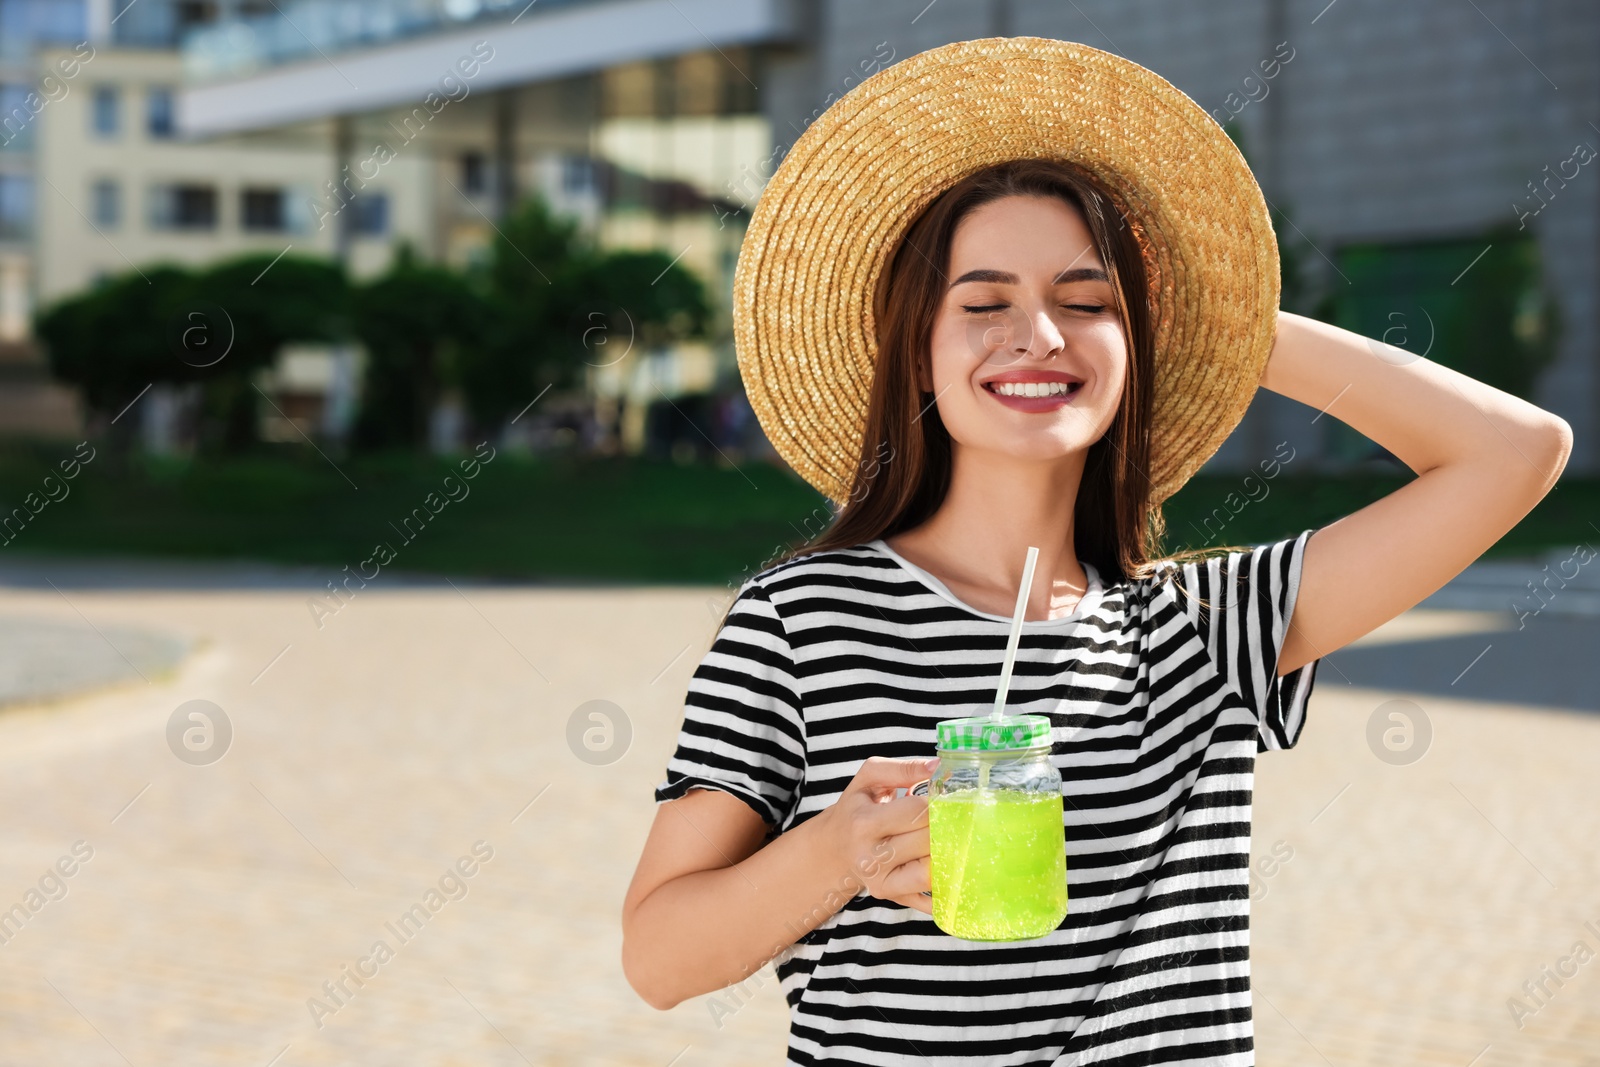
[{"x": 1160, "y": 692}]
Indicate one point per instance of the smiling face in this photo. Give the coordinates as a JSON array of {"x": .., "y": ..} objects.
[{"x": 1028, "y": 352}]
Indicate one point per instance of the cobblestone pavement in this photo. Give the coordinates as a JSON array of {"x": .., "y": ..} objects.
[{"x": 371, "y": 756}]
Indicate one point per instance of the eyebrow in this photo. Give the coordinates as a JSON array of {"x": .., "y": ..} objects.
[{"x": 1004, "y": 277}]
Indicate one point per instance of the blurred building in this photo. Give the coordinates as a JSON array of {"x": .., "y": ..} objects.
[
  {"x": 624, "y": 115},
  {"x": 1429, "y": 160},
  {"x": 117, "y": 189},
  {"x": 30, "y": 403},
  {"x": 94, "y": 180},
  {"x": 1400, "y": 142}
]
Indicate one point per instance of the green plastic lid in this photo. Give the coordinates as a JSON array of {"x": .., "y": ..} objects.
[{"x": 986, "y": 733}]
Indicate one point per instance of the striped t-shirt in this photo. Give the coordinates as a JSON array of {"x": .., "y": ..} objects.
[{"x": 1158, "y": 704}]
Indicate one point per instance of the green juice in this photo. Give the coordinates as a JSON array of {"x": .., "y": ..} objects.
[{"x": 999, "y": 864}]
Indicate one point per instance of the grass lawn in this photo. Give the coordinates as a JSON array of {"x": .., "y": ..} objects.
[{"x": 623, "y": 520}]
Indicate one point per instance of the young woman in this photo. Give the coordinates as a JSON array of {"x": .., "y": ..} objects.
[{"x": 1013, "y": 403}]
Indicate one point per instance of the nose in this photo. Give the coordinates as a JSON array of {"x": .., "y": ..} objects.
[{"x": 1044, "y": 338}]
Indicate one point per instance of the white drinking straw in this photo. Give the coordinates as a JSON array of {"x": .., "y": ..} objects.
[{"x": 1016, "y": 631}]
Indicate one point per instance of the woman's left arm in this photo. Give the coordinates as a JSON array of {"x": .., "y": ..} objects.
[{"x": 1483, "y": 458}]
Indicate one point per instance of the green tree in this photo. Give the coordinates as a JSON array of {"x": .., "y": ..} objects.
[
  {"x": 112, "y": 341},
  {"x": 264, "y": 304},
  {"x": 530, "y": 284},
  {"x": 663, "y": 301},
  {"x": 560, "y": 305},
  {"x": 420, "y": 323},
  {"x": 216, "y": 327}
]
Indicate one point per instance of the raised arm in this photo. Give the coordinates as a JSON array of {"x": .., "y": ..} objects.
[{"x": 1484, "y": 459}]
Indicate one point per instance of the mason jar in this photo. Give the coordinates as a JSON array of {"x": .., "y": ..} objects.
[{"x": 998, "y": 844}]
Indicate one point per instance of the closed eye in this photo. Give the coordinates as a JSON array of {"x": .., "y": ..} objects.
[{"x": 983, "y": 309}]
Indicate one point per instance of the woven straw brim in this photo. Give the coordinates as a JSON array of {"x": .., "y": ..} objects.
[{"x": 855, "y": 180}]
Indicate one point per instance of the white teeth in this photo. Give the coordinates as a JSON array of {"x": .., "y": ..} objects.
[{"x": 1033, "y": 388}]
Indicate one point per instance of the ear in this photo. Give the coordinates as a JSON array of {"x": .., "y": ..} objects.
[{"x": 924, "y": 375}]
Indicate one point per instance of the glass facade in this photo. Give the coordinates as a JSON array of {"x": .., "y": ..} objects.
[
  {"x": 306, "y": 28},
  {"x": 25, "y": 24}
]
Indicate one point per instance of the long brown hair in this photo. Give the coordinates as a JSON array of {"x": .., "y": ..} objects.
[{"x": 903, "y": 472}]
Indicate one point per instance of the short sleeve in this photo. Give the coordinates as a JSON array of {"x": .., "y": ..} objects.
[
  {"x": 742, "y": 730},
  {"x": 1242, "y": 605}
]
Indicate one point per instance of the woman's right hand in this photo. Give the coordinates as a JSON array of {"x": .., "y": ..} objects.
[{"x": 881, "y": 840}]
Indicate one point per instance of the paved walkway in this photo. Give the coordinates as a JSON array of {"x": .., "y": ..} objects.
[{"x": 368, "y": 758}]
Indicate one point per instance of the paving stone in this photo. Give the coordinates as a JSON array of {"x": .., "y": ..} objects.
[{"x": 420, "y": 720}]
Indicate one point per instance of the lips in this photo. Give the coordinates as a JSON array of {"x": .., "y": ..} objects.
[
  {"x": 1019, "y": 380},
  {"x": 1032, "y": 376},
  {"x": 1051, "y": 389}
]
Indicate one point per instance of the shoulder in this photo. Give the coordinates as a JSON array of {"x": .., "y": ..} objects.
[
  {"x": 827, "y": 567},
  {"x": 1166, "y": 587},
  {"x": 829, "y": 579},
  {"x": 1154, "y": 576},
  {"x": 1223, "y": 576}
]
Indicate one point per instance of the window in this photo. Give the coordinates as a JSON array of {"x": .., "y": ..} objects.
[
  {"x": 183, "y": 207},
  {"x": 105, "y": 110},
  {"x": 577, "y": 174},
  {"x": 16, "y": 207},
  {"x": 262, "y": 211},
  {"x": 298, "y": 201},
  {"x": 16, "y": 118},
  {"x": 105, "y": 206},
  {"x": 474, "y": 175},
  {"x": 192, "y": 13},
  {"x": 372, "y": 214},
  {"x": 159, "y": 113}
]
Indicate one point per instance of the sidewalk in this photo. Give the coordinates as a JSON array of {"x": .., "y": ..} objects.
[
  {"x": 370, "y": 756},
  {"x": 1561, "y": 582}
]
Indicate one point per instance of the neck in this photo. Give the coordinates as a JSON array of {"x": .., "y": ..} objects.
[{"x": 997, "y": 506}]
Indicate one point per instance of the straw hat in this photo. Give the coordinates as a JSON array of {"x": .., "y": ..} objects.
[{"x": 836, "y": 208}]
